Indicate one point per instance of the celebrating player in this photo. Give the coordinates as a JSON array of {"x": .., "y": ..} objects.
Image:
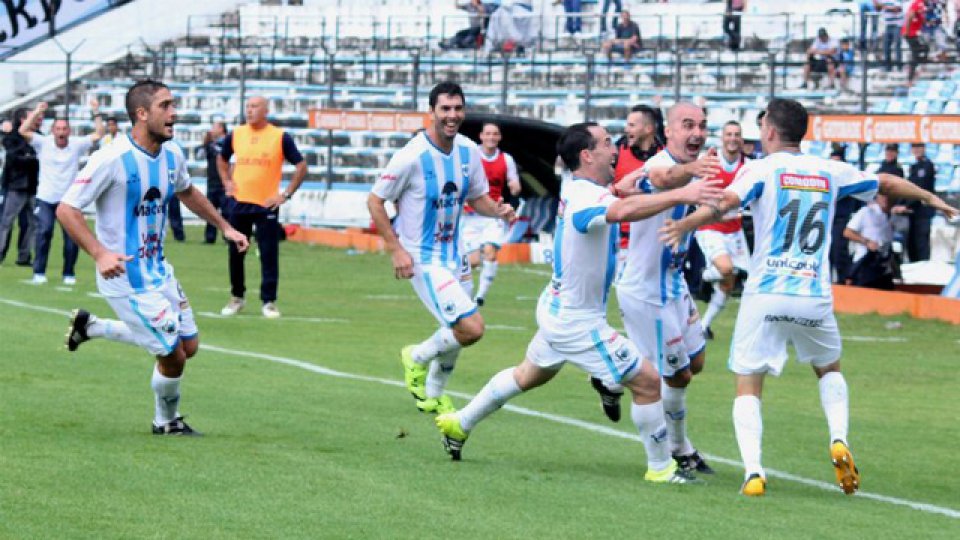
[
  {"x": 430, "y": 178},
  {"x": 787, "y": 297},
  {"x": 571, "y": 312},
  {"x": 130, "y": 183}
]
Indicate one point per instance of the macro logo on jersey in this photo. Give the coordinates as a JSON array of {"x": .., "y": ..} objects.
[
  {"x": 448, "y": 196},
  {"x": 151, "y": 205},
  {"x": 805, "y": 182}
]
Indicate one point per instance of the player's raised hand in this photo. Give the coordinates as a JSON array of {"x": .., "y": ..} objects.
[
  {"x": 94, "y": 105},
  {"x": 671, "y": 234},
  {"x": 41, "y": 107},
  {"x": 708, "y": 165},
  {"x": 402, "y": 264},
  {"x": 706, "y": 192},
  {"x": 111, "y": 265},
  {"x": 238, "y": 238}
]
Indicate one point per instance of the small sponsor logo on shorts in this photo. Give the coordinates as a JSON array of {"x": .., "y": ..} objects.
[
  {"x": 673, "y": 360},
  {"x": 800, "y": 321},
  {"x": 449, "y": 308},
  {"x": 804, "y": 182},
  {"x": 623, "y": 353}
]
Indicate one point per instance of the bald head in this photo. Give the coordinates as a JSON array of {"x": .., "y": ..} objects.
[
  {"x": 256, "y": 110},
  {"x": 686, "y": 131}
]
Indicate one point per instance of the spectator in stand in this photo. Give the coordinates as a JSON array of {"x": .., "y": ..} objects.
[
  {"x": 889, "y": 164},
  {"x": 468, "y": 38},
  {"x": 821, "y": 57},
  {"x": 732, "y": 14},
  {"x": 846, "y": 63},
  {"x": 113, "y": 131},
  {"x": 874, "y": 265},
  {"x": 626, "y": 39},
  {"x": 912, "y": 24},
  {"x": 891, "y": 13},
  {"x": 840, "y": 247},
  {"x": 868, "y": 9},
  {"x": 933, "y": 31},
  {"x": 923, "y": 174},
  {"x": 617, "y": 8},
  {"x": 19, "y": 183},
  {"x": 212, "y": 147}
]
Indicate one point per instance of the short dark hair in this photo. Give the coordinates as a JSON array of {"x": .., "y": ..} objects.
[
  {"x": 648, "y": 113},
  {"x": 892, "y": 146},
  {"x": 573, "y": 140},
  {"x": 484, "y": 125},
  {"x": 732, "y": 123},
  {"x": 789, "y": 118},
  {"x": 140, "y": 95},
  {"x": 446, "y": 87},
  {"x": 18, "y": 116},
  {"x": 112, "y": 119}
]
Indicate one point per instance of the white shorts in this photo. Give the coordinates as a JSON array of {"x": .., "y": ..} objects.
[
  {"x": 591, "y": 345},
  {"x": 479, "y": 231},
  {"x": 158, "y": 319},
  {"x": 448, "y": 297},
  {"x": 670, "y": 335},
  {"x": 715, "y": 243},
  {"x": 767, "y": 322}
]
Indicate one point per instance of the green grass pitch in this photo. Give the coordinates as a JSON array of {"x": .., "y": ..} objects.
[{"x": 309, "y": 433}]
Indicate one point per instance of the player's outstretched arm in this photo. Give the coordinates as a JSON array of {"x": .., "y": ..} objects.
[
  {"x": 485, "y": 206},
  {"x": 109, "y": 264},
  {"x": 673, "y": 231},
  {"x": 680, "y": 174},
  {"x": 26, "y": 128},
  {"x": 898, "y": 188},
  {"x": 638, "y": 207},
  {"x": 199, "y": 205},
  {"x": 402, "y": 261},
  {"x": 99, "y": 129}
]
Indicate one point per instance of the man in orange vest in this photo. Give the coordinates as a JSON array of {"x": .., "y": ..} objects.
[{"x": 252, "y": 187}]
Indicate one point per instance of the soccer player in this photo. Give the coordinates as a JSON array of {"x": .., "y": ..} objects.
[
  {"x": 571, "y": 312},
  {"x": 483, "y": 235},
  {"x": 787, "y": 297},
  {"x": 659, "y": 315},
  {"x": 430, "y": 178},
  {"x": 130, "y": 183},
  {"x": 723, "y": 244}
]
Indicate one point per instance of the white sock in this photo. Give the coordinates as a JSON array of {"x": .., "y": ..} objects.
[
  {"x": 498, "y": 390},
  {"x": 833, "y": 397},
  {"x": 748, "y": 425},
  {"x": 440, "y": 372},
  {"x": 717, "y": 301},
  {"x": 440, "y": 342},
  {"x": 167, "y": 392},
  {"x": 110, "y": 329},
  {"x": 653, "y": 431},
  {"x": 675, "y": 414},
  {"x": 487, "y": 276},
  {"x": 711, "y": 274}
]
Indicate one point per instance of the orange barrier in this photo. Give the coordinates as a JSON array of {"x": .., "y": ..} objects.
[
  {"x": 884, "y": 128},
  {"x": 857, "y": 300},
  {"x": 360, "y": 240}
]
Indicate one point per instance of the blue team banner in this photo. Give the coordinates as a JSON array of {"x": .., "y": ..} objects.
[{"x": 25, "y": 21}]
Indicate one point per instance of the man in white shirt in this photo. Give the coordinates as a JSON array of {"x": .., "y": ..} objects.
[
  {"x": 571, "y": 312},
  {"x": 59, "y": 157},
  {"x": 429, "y": 180},
  {"x": 821, "y": 57},
  {"x": 871, "y": 232},
  {"x": 787, "y": 297},
  {"x": 130, "y": 183}
]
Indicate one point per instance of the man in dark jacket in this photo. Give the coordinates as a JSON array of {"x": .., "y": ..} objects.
[
  {"x": 212, "y": 144},
  {"x": 923, "y": 174},
  {"x": 19, "y": 180},
  {"x": 889, "y": 164}
]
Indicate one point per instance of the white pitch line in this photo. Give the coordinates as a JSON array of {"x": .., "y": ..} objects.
[
  {"x": 589, "y": 426},
  {"x": 390, "y": 297},
  {"x": 212, "y": 315},
  {"x": 506, "y": 327},
  {"x": 869, "y": 339},
  {"x": 534, "y": 271}
]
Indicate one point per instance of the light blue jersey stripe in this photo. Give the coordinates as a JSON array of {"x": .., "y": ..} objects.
[
  {"x": 132, "y": 228},
  {"x": 153, "y": 276},
  {"x": 860, "y": 187},
  {"x": 430, "y": 202},
  {"x": 146, "y": 324},
  {"x": 464, "y": 164},
  {"x": 659, "y": 328},
  {"x": 558, "y": 249},
  {"x": 613, "y": 244},
  {"x": 605, "y": 354}
]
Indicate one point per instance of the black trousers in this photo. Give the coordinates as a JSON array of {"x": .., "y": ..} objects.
[
  {"x": 918, "y": 239},
  {"x": 264, "y": 225},
  {"x": 217, "y": 199}
]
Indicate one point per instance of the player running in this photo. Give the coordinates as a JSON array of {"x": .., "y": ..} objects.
[
  {"x": 723, "y": 244},
  {"x": 430, "y": 178},
  {"x": 571, "y": 312},
  {"x": 130, "y": 183},
  {"x": 787, "y": 297},
  {"x": 482, "y": 235}
]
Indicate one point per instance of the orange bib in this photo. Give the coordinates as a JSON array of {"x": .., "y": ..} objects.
[{"x": 259, "y": 163}]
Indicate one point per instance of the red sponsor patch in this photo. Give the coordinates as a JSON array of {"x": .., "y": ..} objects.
[
  {"x": 675, "y": 341},
  {"x": 804, "y": 182},
  {"x": 83, "y": 181},
  {"x": 388, "y": 177},
  {"x": 445, "y": 285}
]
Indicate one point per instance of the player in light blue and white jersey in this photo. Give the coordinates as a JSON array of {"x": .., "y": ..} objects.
[
  {"x": 129, "y": 183},
  {"x": 658, "y": 313},
  {"x": 571, "y": 313},
  {"x": 430, "y": 179},
  {"x": 787, "y": 298}
]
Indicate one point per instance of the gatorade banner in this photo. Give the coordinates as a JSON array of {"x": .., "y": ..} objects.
[
  {"x": 367, "y": 121},
  {"x": 885, "y": 128},
  {"x": 23, "y": 21}
]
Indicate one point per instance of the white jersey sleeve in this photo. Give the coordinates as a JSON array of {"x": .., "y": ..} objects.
[
  {"x": 181, "y": 181},
  {"x": 588, "y": 214},
  {"x": 394, "y": 178},
  {"x": 852, "y": 182},
  {"x": 96, "y": 177}
]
